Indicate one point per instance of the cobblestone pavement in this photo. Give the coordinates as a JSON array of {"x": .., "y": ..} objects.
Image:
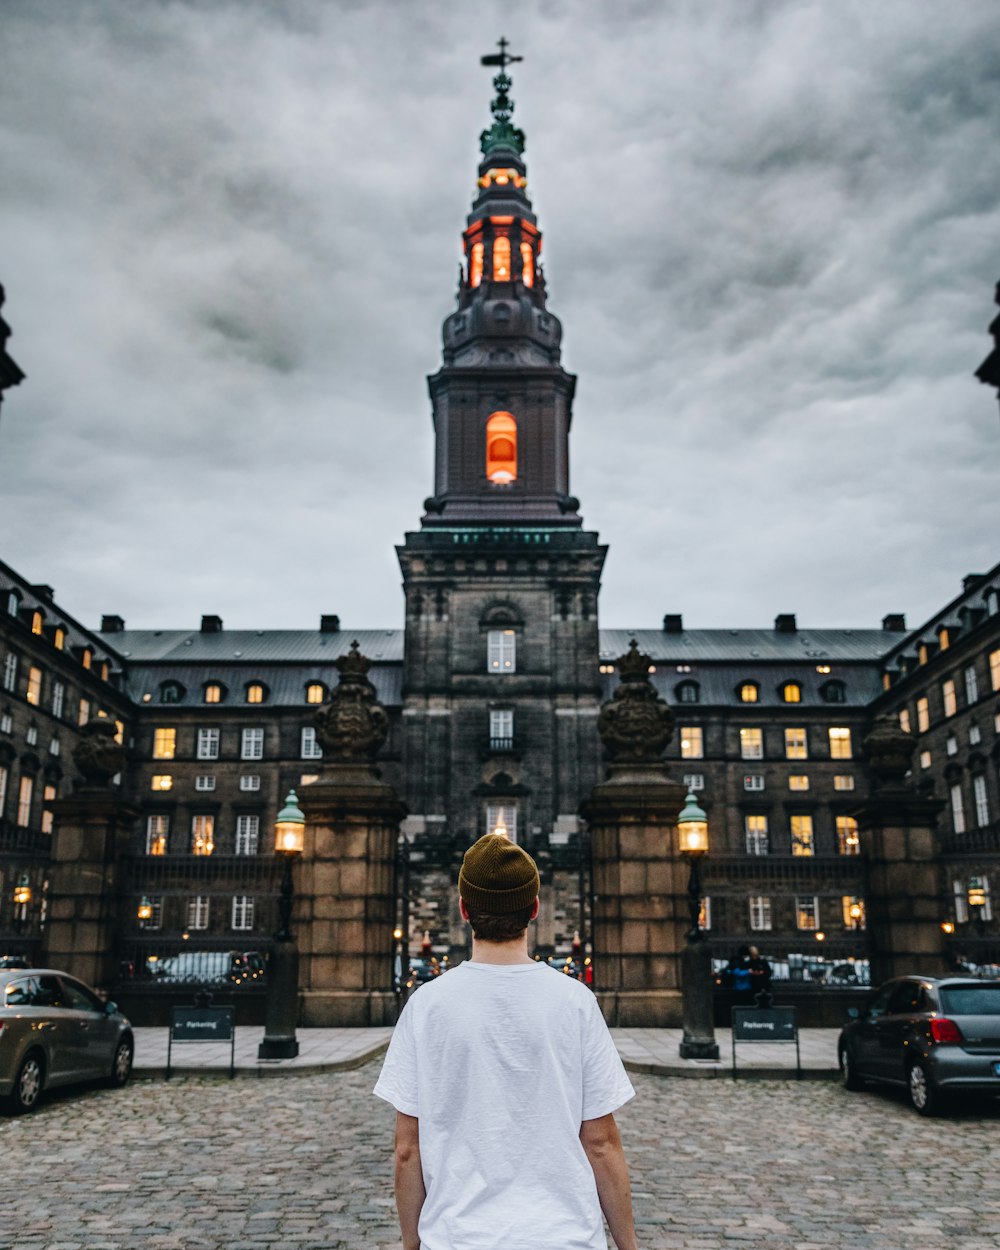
[{"x": 304, "y": 1163}]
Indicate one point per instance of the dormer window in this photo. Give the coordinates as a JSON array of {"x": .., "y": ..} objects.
[
  {"x": 213, "y": 692},
  {"x": 501, "y": 259},
  {"x": 37, "y": 622},
  {"x": 791, "y": 692},
  {"x": 255, "y": 692},
  {"x": 748, "y": 692},
  {"x": 87, "y": 658},
  {"x": 59, "y": 638},
  {"x": 501, "y": 448}
]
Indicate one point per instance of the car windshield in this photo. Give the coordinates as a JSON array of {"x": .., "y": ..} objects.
[{"x": 971, "y": 1000}]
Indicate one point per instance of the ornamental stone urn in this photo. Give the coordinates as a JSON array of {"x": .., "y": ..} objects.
[
  {"x": 352, "y": 725},
  {"x": 97, "y": 756},
  {"x": 635, "y": 724},
  {"x": 889, "y": 751}
]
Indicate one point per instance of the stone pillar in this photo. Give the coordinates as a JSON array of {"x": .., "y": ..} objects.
[
  {"x": 639, "y": 881},
  {"x": 90, "y": 836},
  {"x": 897, "y": 829},
  {"x": 346, "y": 892}
]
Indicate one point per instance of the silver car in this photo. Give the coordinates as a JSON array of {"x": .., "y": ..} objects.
[{"x": 55, "y": 1031}]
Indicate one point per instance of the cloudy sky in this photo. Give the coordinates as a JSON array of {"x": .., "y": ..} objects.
[{"x": 229, "y": 232}]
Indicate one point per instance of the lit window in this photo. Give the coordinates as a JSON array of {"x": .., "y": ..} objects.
[
  {"x": 105, "y": 670},
  {"x": 760, "y": 912},
  {"x": 161, "y": 781},
  {"x": 971, "y": 686},
  {"x": 694, "y": 781},
  {"x": 957, "y": 809},
  {"x": 87, "y": 658},
  {"x": 157, "y": 828},
  {"x": 247, "y": 834},
  {"x": 24, "y": 793},
  {"x": 36, "y": 622},
  {"x": 59, "y": 638},
  {"x": 749, "y": 692},
  {"x": 692, "y": 742},
  {"x": 155, "y": 918},
  {"x": 58, "y": 699},
  {"x": 822, "y": 668},
  {"x": 795, "y": 744},
  {"x": 208, "y": 744},
  {"x": 757, "y": 840},
  {"x": 119, "y": 732},
  {"x": 204, "y": 782},
  {"x": 252, "y": 744},
  {"x": 922, "y": 653},
  {"x": 309, "y": 748},
  {"x": 848, "y": 841},
  {"x": 925, "y": 759},
  {"x": 202, "y": 835},
  {"x": 197, "y": 912},
  {"x": 752, "y": 744},
  {"x": 981, "y": 801},
  {"x": 806, "y": 911},
  {"x": 213, "y": 693},
  {"x": 502, "y": 818},
  {"x": 48, "y": 795},
  {"x": 840, "y": 744},
  {"x": 904, "y": 719},
  {"x": 501, "y": 448},
  {"x": 791, "y": 692},
  {"x": 886, "y": 681},
  {"x": 705, "y": 913},
  {"x": 308, "y": 779},
  {"x": 802, "y": 835},
  {"x": 255, "y": 693},
  {"x": 501, "y": 729},
  {"x": 242, "y": 912},
  {"x": 923, "y": 714},
  {"x": 995, "y": 669},
  {"x": 944, "y": 639},
  {"x": 315, "y": 693},
  {"x": 250, "y": 782},
  {"x": 501, "y": 259},
  {"x": 164, "y": 744},
  {"x": 798, "y": 782},
  {"x": 83, "y": 713},
  {"x": 501, "y": 645},
  {"x": 476, "y": 264},
  {"x": 853, "y": 911},
  {"x": 754, "y": 781},
  {"x": 843, "y": 781},
  {"x": 948, "y": 697},
  {"x": 10, "y": 671},
  {"x": 527, "y": 265},
  {"x": 34, "y": 692}
]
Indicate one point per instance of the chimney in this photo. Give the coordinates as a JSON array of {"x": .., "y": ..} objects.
[
  {"x": 894, "y": 623},
  {"x": 968, "y": 581},
  {"x": 785, "y": 623},
  {"x": 673, "y": 623},
  {"x": 211, "y": 624},
  {"x": 46, "y": 592},
  {"x": 112, "y": 624},
  {"x": 329, "y": 624}
]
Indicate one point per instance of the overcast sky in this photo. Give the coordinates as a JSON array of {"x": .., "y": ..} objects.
[{"x": 229, "y": 234}]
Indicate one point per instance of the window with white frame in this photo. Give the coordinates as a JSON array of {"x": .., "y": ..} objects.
[
  {"x": 10, "y": 671},
  {"x": 840, "y": 743},
  {"x": 501, "y": 729},
  {"x": 247, "y": 834},
  {"x": 843, "y": 781},
  {"x": 948, "y": 697},
  {"x": 802, "y": 835},
  {"x": 971, "y": 685},
  {"x": 252, "y": 744},
  {"x": 208, "y": 744},
  {"x": 7, "y": 722},
  {"x": 923, "y": 714},
  {"x": 58, "y": 699},
  {"x": 980, "y": 800},
  {"x": 197, "y": 912},
  {"x": 975, "y": 737},
  {"x": 951, "y": 745},
  {"x": 202, "y": 835},
  {"x": 752, "y": 744},
  {"x": 250, "y": 781},
  {"x": 692, "y": 742},
  {"x": 24, "y": 795},
  {"x": 848, "y": 839},
  {"x": 206, "y": 781},
  {"x": 795, "y": 744},
  {"x": 242, "y": 917},
  {"x": 755, "y": 829},
  {"x": 753, "y": 782},
  {"x": 502, "y": 818},
  {"x": 31, "y": 735},
  {"x": 806, "y": 911},
  {"x": 155, "y": 918},
  {"x": 309, "y": 748},
  {"x": 501, "y": 651},
  {"x": 157, "y": 828},
  {"x": 961, "y": 901},
  {"x": 957, "y": 809},
  {"x": 694, "y": 781},
  {"x": 760, "y": 912}
]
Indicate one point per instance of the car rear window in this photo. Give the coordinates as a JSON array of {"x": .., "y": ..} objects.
[{"x": 971, "y": 1000}]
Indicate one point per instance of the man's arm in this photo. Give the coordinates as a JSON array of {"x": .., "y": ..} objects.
[
  {"x": 409, "y": 1178},
  {"x": 603, "y": 1146}
]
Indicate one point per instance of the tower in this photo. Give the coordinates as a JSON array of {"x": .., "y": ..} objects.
[{"x": 501, "y": 684}]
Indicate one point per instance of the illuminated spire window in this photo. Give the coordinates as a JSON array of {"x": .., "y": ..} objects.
[
  {"x": 476, "y": 264},
  {"x": 501, "y": 448},
  {"x": 501, "y": 259},
  {"x": 527, "y": 265}
]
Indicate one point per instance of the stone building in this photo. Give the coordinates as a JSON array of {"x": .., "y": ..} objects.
[{"x": 493, "y": 691}]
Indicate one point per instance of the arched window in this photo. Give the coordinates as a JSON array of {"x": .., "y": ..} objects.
[
  {"x": 833, "y": 692},
  {"x": 501, "y": 448},
  {"x": 688, "y": 692},
  {"x": 213, "y": 692},
  {"x": 527, "y": 265},
  {"x": 59, "y": 638},
  {"x": 37, "y": 622},
  {"x": 171, "y": 692},
  {"x": 476, "y": 264},
  {"x": 255, "y": 692},
  {"x": 86, "y": 657},
  {"x": 791, "y": 692},
  {"x": 315, "y": 692},
  {"x": 748, "y": 692},
  {"x": 501, "y": 259}
]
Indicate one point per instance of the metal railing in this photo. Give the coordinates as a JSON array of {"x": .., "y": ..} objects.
[{"x": 202, "y": 963}]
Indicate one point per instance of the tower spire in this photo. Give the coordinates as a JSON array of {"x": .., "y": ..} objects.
[{"x": 501, "y": 134}]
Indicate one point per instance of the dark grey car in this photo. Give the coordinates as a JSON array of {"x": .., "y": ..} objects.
[
  {"x": 937, "y": 1036},
  {"x": 56, "y": 1031}
]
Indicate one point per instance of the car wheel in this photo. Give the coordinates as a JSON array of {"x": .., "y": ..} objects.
[
  {"x": 848, "y": 1075},
  {"x": 121, "y": 1066},
  {"x": 28, "y": 1083},
  {"x": 925, "y": 1097}
]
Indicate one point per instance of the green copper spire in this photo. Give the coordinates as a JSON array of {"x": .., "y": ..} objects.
[{"x": 501, "y": 134}]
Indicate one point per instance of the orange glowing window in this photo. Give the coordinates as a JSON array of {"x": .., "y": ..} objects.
[
  {"x": 476, "y": 264},
  {"x": 501, "y": 259},
  {"x": 501, "y": 448},
  {"x": 502, "y": 178},
  {"x": 527, "y": 264}
]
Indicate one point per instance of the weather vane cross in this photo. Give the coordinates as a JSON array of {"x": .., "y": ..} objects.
[{"x": 501, "y": 58}]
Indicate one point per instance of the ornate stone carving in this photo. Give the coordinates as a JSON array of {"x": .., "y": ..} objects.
[
  {"x": 635, "y": 724},
  {"x": 352, "y": 725},
  {"x": 889, "y": 750},
  {"x": 96, "y": 755}
]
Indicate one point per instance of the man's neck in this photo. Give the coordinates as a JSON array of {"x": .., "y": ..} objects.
[{"x": 515, "y": 952}]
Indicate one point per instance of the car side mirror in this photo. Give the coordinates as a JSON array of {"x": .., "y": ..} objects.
[
  {"x": 110, "y": 1008},
  {"x": 853, "y": 1013}
]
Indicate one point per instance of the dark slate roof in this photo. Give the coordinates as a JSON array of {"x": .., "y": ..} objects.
[
  {"x": 979, "y": 593},
  {"x": 40, "y": 597},
  {"x": 718, "y": 683},
  {"x": 754, "y": 646},
  {"x": 285, "y": 683},
  {"x": 252, "y": 646}
]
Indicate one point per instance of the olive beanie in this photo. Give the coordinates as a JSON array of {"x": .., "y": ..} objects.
[{"x": 497, "y": 877}]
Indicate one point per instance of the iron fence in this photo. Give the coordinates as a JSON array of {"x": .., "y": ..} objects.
[{"x": 200, "y": 963}]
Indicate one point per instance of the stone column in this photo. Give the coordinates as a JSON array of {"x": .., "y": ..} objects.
[
  {"x": 346, "y": 892},
  {"x": 639, "y": 881},
  {"x": 90, "y": 836},
  {"x": 897, "y": 829}
]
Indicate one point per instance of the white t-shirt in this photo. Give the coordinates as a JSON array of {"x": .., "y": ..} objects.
[{"x": 501, "y": 1063}]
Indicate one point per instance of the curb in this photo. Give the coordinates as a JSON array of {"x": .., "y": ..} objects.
[
  {"x": 277, "y": 1067},
  {"x": 715, "y": 1072}
]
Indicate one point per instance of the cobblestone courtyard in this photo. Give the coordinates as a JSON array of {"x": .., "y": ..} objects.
[{"x": 304, "y": 1162}]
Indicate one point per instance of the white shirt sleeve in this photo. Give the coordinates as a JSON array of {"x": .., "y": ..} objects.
[
  {"x": 397, "y": 1082},
  {"x": 606, "y": 1086}
]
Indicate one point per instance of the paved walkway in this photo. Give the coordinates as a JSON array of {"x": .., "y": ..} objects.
[{"x": 652, "y": 1051}]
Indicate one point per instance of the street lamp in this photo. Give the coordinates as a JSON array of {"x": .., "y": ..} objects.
[
  {"x": 698, "y": 1041},
  {"x": 144, "y": 912},
  {"x": 282, "y": 1006}
]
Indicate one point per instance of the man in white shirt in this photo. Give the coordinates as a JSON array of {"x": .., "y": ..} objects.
[{"x": 505, "y": 1080}]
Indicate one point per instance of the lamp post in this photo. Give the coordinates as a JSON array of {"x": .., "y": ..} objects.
[
  {"x": 282, "y": 1007},
  {"x": 698, "y": 1041}
]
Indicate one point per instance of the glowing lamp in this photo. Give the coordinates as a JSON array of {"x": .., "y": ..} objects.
[
  {"x": 820, "y": 936},
  {"x": 977, "y": 894},
  {"x": 22, "y": 893},
  {"x": 290, "y": 827},
  {"x": 145, "y": 911},
  {"x": 397, "y": 933},
  {"x": 947, "y": 926},
  {"x": 692, "y": 827}
]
